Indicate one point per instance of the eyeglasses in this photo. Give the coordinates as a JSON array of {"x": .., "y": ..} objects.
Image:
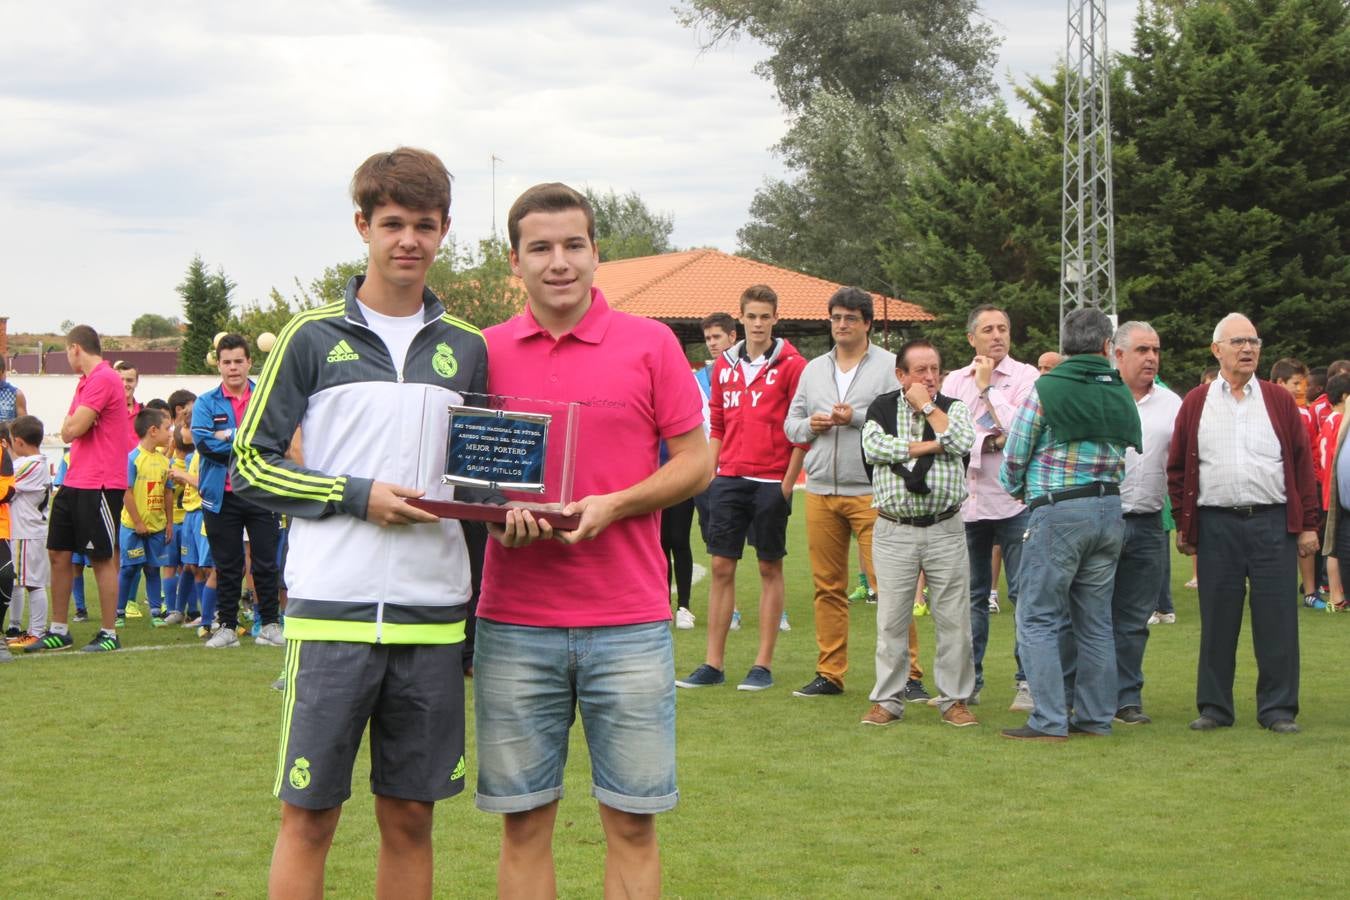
[
  {"x": 1238, "y": 343},
  {"x": 845, "y": 320}
]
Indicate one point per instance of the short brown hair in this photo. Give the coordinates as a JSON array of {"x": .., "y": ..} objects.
[
  {"x": 553, "y": 196},
  {"x": 720, "y": 320},
  {"x": 1287, "y": 368},
  {"x": 407, "y": 176},
  {"x": 86, "y": 339},
  {"x": 29, "y": 428},
  {"x": 759, "y": 293}
]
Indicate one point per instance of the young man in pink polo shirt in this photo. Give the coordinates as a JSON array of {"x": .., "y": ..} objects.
[
  {"x": 86, "y": 509},
  {"x": 556, "y": 630}
]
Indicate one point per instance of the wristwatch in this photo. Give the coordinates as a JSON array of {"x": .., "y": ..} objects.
[{"x": 928, "y": 408}]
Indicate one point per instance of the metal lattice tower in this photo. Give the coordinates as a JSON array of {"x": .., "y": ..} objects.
[{"x": 1088, "y": 245}]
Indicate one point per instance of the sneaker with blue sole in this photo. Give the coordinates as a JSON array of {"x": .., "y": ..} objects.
[
  {"x": 757, "y": 679},
  {"x": 704, "y": 676}
]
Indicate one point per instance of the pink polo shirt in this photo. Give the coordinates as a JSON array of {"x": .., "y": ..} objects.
[
  {"x": 1009, "y": 386},
  {"x": 98, "y": 458},
  {"x": 238, "y": 405},
  {"x": 633, "y": 381}
]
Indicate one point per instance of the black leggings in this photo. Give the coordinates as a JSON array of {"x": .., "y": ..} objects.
[
  {"x": 7, "y": 579},
  {"x": 675, "y": 524}
]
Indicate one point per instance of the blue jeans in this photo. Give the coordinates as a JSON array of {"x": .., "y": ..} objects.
[
  {"x": 1165, "y": 604},
  {"x": 528, "y": 685},
  {"x": 1064, "y": 617},
  {"x": 981, "y": 537},
  {"x": 1139, "y": 573}
]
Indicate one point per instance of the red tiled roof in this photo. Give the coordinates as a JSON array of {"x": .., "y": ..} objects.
[{"x": 693, "y": 283}]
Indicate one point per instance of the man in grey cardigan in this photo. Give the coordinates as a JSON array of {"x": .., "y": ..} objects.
[{"x": 827, "y": 412}]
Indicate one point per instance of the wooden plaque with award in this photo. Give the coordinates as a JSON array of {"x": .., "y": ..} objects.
[{"x": 508, "y": 452}]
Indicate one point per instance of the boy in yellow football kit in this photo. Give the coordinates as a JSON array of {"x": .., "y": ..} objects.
[{"x": 147, "y": 511}]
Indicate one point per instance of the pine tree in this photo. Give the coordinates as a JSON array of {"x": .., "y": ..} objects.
[
  {"x": 206, "y": 307},
  {"x": 1239, "y": 112}
]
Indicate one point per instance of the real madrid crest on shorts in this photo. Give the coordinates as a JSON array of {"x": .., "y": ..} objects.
[
  {"x": 299, "y": 776},
  {"x": 444, "y": 361}
]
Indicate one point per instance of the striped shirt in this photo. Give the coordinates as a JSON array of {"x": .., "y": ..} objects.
[
  {"x": 947, "y": 477},
  {"x": 1034, "y": 463},
  {"x": 1241, "y": 462}
]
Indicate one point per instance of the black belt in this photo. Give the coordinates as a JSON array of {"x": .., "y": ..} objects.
[
  {"x": 1152, "y": 515},
  {"x": 1245, "y": 512},
  {"x": 922, "y": 521},
  {"x": 1095, "y": 489}
]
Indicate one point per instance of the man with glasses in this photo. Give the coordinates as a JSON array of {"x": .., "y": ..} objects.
[
  {"x": 1240, "y": 477},
  {"x": 827, "y": 414}
]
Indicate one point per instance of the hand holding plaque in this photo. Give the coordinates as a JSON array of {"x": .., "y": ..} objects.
[{"x": 505, "y": 446}]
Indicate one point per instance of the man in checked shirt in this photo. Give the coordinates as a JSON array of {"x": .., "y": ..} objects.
[
  {"x": 914, "y": 443},
  {"x": 1065, "y": 457}
]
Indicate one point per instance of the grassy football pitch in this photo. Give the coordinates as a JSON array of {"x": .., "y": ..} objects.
[{"x": 147, "y": 773}]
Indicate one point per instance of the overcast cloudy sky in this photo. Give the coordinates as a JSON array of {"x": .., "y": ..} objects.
[{"x": 138, "y": 133}]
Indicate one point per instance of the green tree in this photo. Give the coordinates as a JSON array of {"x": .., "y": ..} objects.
[
  {"x": 206, "y": 306},
  {"x": 150, "y": 325},
  {"x": 858, "y": 78},
  {"x": 625, "y": 227},
  {"x": 257, "y": 318},
  {"x": 475, "y": 283},
  {"x": 871, "y": 51},
  {"x": 1239, "y": 112},
  {"x": 979, "y": 223}
]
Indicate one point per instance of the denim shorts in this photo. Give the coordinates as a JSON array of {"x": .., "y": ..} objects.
[{"x": 528, "y": 685}]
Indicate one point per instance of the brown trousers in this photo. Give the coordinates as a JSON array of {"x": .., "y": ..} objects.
[{"x": 831, "y": 520}]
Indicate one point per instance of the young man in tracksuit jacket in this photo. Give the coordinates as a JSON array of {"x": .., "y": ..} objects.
[
  {"x": 753, "y": 383},
  {"x": 377, "y": 588},
  {"x": 225, "y": 514},
  {"x": 827, "y": 414}
]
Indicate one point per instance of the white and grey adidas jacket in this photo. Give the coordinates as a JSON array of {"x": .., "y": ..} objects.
[{"x": 364, "y": 417}]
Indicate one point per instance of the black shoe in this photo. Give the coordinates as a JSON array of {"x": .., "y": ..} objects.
[
  {"x": 820, "y": 686},
  {"x": 915, "y": 693},
  {"x": 1076, "y": 731},
  {"x": 1132, "y": 715},
  {"x": 1027, "y": 733},
  {"x": 13, "y": 632},
  {"x": 1205, "y": 723},
  {"x": 51, "y": 641},
  {"x": 102, "y": 643},
  {"x": 1284, "y": 726},
  {"x": 81, "y": 616}
]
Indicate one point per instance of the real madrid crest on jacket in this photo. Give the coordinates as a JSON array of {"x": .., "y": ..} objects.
[{"x": 363, "y": 417}]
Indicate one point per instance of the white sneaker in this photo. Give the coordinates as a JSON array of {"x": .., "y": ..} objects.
[
  {"x": 783, "y": 624},
  {"x": 174, "y": 618},
  {"x": 684, "y": 619},
  {"x": 993, "y": 602},
  {"x": 1022, "y": 702},
  {"x": 224, "y": 637},
  {"x": 1155, "y": 618},
  {"x": 1167, "y": 618},
  {"x": 270, "y": 636},
  {"x": 735, "y": 620}
]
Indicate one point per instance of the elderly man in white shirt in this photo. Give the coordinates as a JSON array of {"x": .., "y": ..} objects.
[{"x": 1143, "y": 554}]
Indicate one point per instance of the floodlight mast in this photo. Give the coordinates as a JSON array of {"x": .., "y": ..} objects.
[{"x": 1088, "y": 244}]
